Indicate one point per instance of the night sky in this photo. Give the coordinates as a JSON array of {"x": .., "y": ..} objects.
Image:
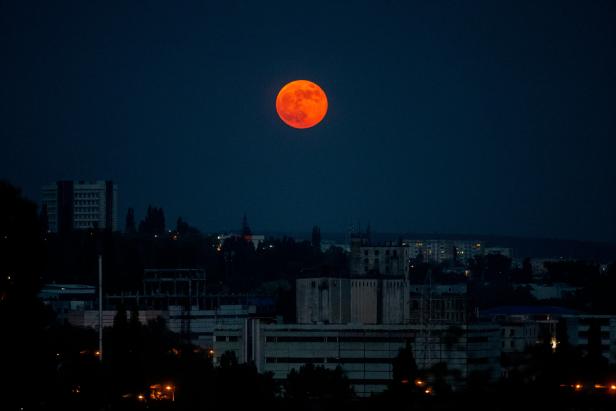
[{"x": 444, "y": 117}]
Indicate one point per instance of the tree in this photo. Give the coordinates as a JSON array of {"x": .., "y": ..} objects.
[
  {"x": 154, "y": 222},
  {"x": 316, "y": 238},
  {"x": 120, "y": 321},
  {"x": 246, "y": 232},
  {"x": 597, "y": 363},
  {"x": 130, "y": 222},
  {"x": 316, "y": 382},
  {"x": 404, "y": 366},
  {"x": 181, "y": 226},
  {"x": 44, "y": 219},
  {"x": 134, "y": 324},
  {"x": 26, "y": 362},
  {"x": 228, "y": 359}
]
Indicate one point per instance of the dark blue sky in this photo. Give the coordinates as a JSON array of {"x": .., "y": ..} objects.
[{"x": 469, "y": 117}]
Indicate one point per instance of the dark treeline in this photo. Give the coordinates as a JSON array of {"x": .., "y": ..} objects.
[{"x": 233, "y": 265}]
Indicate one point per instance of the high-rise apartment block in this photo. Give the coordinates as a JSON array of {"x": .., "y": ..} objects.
[{"x": 81, "y": 205}]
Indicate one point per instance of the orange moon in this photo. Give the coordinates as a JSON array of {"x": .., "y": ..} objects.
[{"x": 301, "y": 104}]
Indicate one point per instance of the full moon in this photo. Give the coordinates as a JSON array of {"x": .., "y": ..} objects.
[{"x": 301, "y": 104}]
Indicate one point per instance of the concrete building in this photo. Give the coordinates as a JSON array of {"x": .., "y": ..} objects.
[
  {"x": 323, "y": 300},
  {"x": 378, "y": 301},
  {"x": 581, "y": 327},
  {"x": 89, "y": 318},
  {"x": 369, "y": 259},
  {"x": 438, "y": 304},
  {"x": 364, "y": 353},
  {"x": 365, "y": 300},
  {"x": 352, "y": 300},
  {"x": 395, "y": 301},
  {"x": 66, "y": 298},
  {"x": 80, "y": 205},
  {"x": 439, "y": 250},
  {"x": 198, "y": 325},
  {"x": 525, "y": 326}
]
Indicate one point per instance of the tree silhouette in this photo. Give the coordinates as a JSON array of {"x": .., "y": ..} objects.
[
  {"x": 44, "y": 219},
  {"x": 154, "y": 222},
  {"x": 246, "y": 232},
  {"x": 228, "y": 359},
  {"x": 404, "y": 366},
  {"x": 316, "y": 238},
  {"x": 130, "y": 222},
  {"x": 26, "y": 361},
  {"x": 318, "y": 383}
]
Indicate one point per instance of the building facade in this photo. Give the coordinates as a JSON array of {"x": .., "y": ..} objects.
[
  {"x": 80, "y": 205},
  {"x": 364, "y": 300},
  {"x": 392, "y": 258},
  {"x": 368, "y": 259},
  {"x": 586, "y": 330},
  {"x": 439, "y": 250},
  {"x": 364, "y": 353},
  {"x": 323, "y": 300}
]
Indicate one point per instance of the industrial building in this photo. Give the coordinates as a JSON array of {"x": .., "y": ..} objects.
[{"x": 365, "y": 353}]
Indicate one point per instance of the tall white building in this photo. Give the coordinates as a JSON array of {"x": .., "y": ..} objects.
[{"x": 81, "y": 205}]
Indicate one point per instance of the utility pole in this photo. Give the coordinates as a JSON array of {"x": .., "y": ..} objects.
[{"x": 100, "y": 308}]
